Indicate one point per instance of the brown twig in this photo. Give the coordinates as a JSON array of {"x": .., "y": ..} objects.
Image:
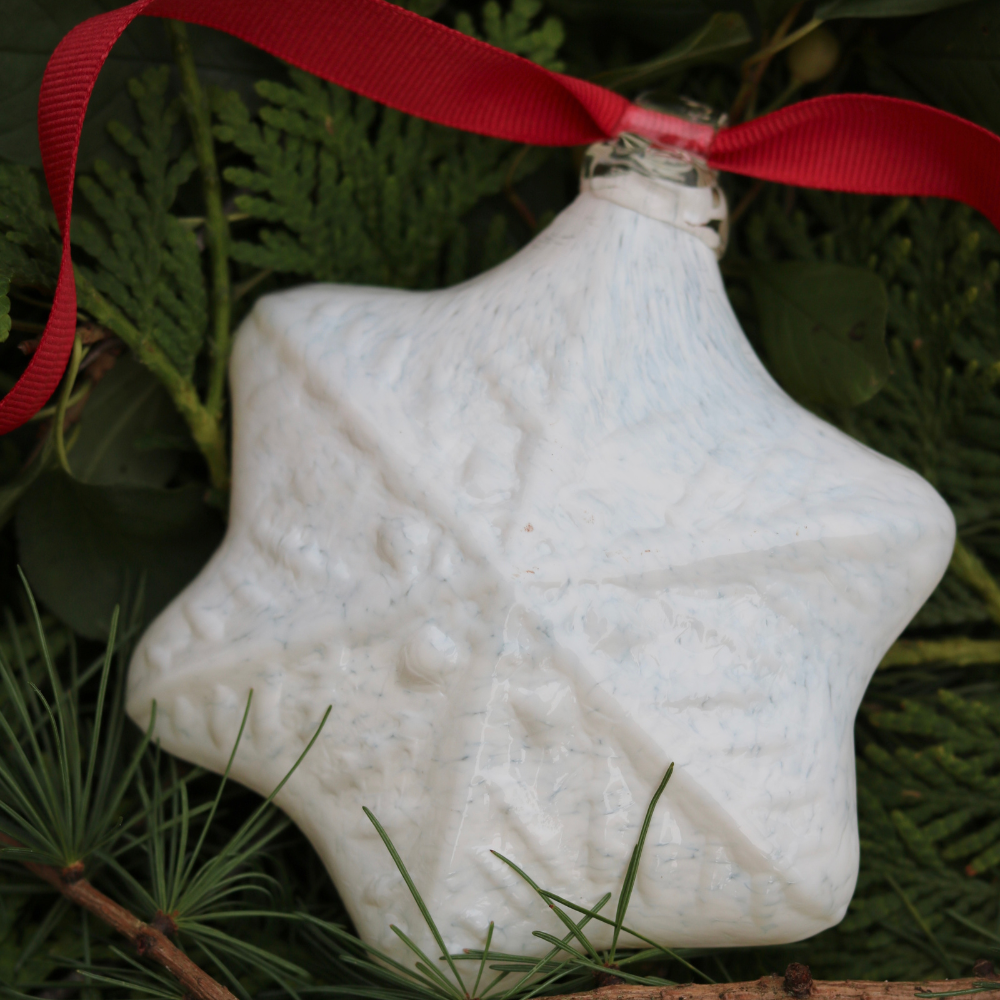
[
  {"x": 755, "y": 67},
  {"x": 796, "y": 983},
  {"x": 746, "y": 201},
  {"x": 148, "y": 940},
  {"x": 513, "y": 197}
]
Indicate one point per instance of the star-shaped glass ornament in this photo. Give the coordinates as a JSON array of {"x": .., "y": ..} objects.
[{"x": 533, "y": 538}]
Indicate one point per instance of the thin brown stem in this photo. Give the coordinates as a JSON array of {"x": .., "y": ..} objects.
[
  {"x": 787, "y": 987},
  {"x": 148, "y": 941},
  {"x": 784, "y": 42},
  {"x": 513, "y": 197},
  {"x": 745, "y": 202},
  {"x": 251, "y": 283},
  {"x": 24, "y": 326},
  {"x": 756, "y": 65}
]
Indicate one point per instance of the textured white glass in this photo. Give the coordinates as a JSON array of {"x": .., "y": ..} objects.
[{"x": 533, "y": 538}]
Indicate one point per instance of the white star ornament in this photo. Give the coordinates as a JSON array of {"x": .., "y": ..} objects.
[{"x": 534, "y": 537}]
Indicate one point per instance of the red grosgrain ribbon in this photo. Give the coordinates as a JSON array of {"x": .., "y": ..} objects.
[{"x": 858, "y": 143}]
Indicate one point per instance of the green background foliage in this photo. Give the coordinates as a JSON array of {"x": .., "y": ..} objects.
[{"x": 211, "y": 174}]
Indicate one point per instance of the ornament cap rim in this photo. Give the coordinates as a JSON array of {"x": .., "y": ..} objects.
[{"x": 673, "y": 185}]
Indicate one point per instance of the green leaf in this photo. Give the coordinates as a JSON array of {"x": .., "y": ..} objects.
[
  {"x": 12, "y": 491},
  {"x": 881, "y": 8},
  {"x": 823, "y": 326},
  {"x": 127, "y": 407},
  {"x": 33, "y": 28},
  {"x": 954, "y": 58},
  {"x": 82, "y": 545},
  {"x": 721, "y": 39}
]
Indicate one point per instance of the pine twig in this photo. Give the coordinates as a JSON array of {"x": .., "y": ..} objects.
[
  {"x": 784, "y": 42},
  {"x": 149, "y": 941},
  {"x": 746, "y": 201},
  {"x": 756, "y": 65},
  {"x": 796, "y": 983},
  {"x": 207, "y": 432},
  {"x": 513, "y": 197},
  {"x": 969, "y": 568}
]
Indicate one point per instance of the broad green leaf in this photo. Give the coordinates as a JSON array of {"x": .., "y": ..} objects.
[
  {"x": 82, "y": 546},
  {"x": 954, "y": 58},
  {"x": 127, "y": 408},
  {"x": 881, "y": 8},
  {"x": 33, "y": 28},
  {"x": 823, "y": 327},
  {"x": 12, "y": 491},
  {"x": 722, "y": 38}
]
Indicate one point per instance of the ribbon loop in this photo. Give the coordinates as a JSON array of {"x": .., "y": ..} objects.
[{"x": 857, "y": 143}]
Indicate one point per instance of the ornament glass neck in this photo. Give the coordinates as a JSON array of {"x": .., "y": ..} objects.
[{"x": 671, "y": 185}]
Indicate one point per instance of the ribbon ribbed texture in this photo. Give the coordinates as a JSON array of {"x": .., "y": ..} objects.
[
  {"x": 857, "y": 143},
  {"x": 868, "y": 145}
]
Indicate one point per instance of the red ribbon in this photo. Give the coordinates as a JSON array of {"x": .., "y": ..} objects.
[{"x": 852, "y": 142}]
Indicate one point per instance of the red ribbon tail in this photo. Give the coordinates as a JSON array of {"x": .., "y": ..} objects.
[{"x": 858, "y": 143}]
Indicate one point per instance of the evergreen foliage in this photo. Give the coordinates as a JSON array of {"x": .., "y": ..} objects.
[
  {"x": 29, "y": 247},
  {"x": 926, "y": 905},
  {"x": 72, "y": 798},
  {"x": 145, "y": 260},
  {"x": 364, "y": 194},
  {"x": 939, "y": 412},
  {"x": 515, "y": 31},
  {"x": 59, "y": 790},
  {"x": 321, "y": 185},
  {"x": 930, "y": 823},
  {"x": 359, "y": 194}
]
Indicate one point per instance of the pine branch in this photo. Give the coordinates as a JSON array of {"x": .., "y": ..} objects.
[
  {"x": 969, "y": 568},
  {"x": 797, "y": 982},
  {"x": 207, "y": 432},
  {"x": 149, "y": 941},
  {"x": 957, "y": 652}
]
